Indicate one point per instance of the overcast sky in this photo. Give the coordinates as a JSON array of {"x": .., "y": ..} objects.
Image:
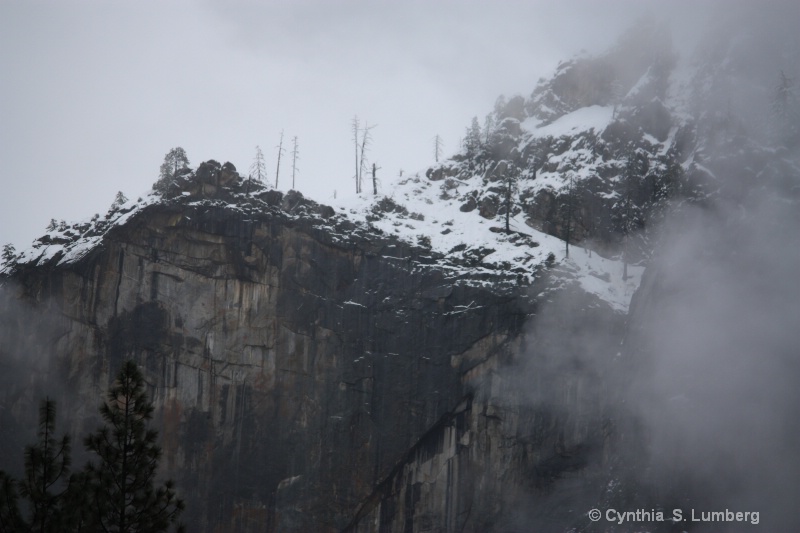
[{"x": 94, "y": 94}]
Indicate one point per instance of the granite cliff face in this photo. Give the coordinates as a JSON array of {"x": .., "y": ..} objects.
[
  {"x": 308, "y": 373},
  {"x": 290, "y": 372}
]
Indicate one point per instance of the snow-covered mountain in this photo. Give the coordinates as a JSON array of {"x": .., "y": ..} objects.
[
  {"x": 591, "y": 161},
  {"x": 455, "y": 351}
]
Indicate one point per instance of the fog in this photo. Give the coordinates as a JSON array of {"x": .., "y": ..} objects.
[
  {"x": 28, "y": 373},
  {"x": 701, "y": 396},
  {"x": 714, "y": 342},
  {"x": 701, "y": 389}
]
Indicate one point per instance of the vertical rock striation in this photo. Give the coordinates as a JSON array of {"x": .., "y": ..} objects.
[{"x": 292, "y": 371}]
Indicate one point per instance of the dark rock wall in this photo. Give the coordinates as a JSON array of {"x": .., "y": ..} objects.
[
  {"x": 291, "y": 373},
  {"x": 533, "y": 449}
]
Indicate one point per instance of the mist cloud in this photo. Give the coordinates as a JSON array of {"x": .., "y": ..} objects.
[{"x": 716, "y": 346}]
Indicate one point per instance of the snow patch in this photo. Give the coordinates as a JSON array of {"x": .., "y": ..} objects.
[
  {"x": 429, "y": 215},
  {"x": 594, "y": 117}
]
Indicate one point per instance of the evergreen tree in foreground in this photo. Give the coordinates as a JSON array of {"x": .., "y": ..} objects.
[
  {"x": 123, "y": 490},
  {"x": 44, "y": 485},
  {"x": 117, "y": 495},
  {"x": 10, "y": 517}
]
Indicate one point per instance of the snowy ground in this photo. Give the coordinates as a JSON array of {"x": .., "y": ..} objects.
[
  {"x": 73, "y": 241},
  {"x": 431, "y": 215},
  {"x": 437, "y": 216}
]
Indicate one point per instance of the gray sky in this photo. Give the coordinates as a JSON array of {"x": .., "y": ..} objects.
[{"x": 95, "y": 93}]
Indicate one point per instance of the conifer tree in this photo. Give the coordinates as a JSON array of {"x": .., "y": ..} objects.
[
  {"x": 258, "y": 170},
  {"x": 44, "y": 484},
  {"x": 119, "y": 200},
  {"x": 509, "y": 189},
  {"x": 626, "y": 212},
  {"x": 473, "y": 145},
  {"x": 46, "y": 464},
  {"x": 9, "y": 253},
  {"x": 488, "y": 128},
  {"x": 174, "y": 162},
  {"x": 123, "y": 489},
  {"x": 567, "y": 209},
  {"x": 472, "y": 139},
  {"x": 10, "y": 517}
]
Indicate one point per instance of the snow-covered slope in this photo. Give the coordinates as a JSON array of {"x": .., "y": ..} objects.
[
  {"x": 422, "y": 211},
  {"x": 466, "y": 246},
  {"x": 66, "y": 243},
  {"x": 594, "y": 157}
]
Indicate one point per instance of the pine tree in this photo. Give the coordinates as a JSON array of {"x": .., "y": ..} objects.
[
  {"x": 10, "y": 517},
  {"x": 488, "y": 128},
  {"x": 258, "y": 170},
  {"x": 473, "y": 145},
  {"x": 47, "y": 463},
  {"x": 568, "y": 209},
  {"x": 472, "y": 139},
  {"x": 509, "y": 189},
  {"x": 626, "y": 212},
  {"x": 119, "y": 199},
  {"x": 9, "y": 253},
  {"x": 123, "y": 482},
  {"x": 174, "y": 162},
  {"x": 45, "y": 483}
]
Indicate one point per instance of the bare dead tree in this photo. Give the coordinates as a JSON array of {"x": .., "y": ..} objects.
[
  {"x": 437, "y": 147},
  {"x": 568, "y": 214},
  {"x": 280, "y": 152},
  {"x": 295, "y": 157},
  {"x": 374, "y": 179},
  {"x": 366, "y": 139},
  {"x": 510, "y": 179},
  {"x": 355, "y": 143}
]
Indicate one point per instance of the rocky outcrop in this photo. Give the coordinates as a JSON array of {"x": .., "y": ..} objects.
[
  {"x": 293, "y": 360},
  {"x": 533, "y": 449}
]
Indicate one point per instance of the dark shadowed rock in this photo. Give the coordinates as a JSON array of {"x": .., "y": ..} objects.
[{"x": 292, "y": 369}]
